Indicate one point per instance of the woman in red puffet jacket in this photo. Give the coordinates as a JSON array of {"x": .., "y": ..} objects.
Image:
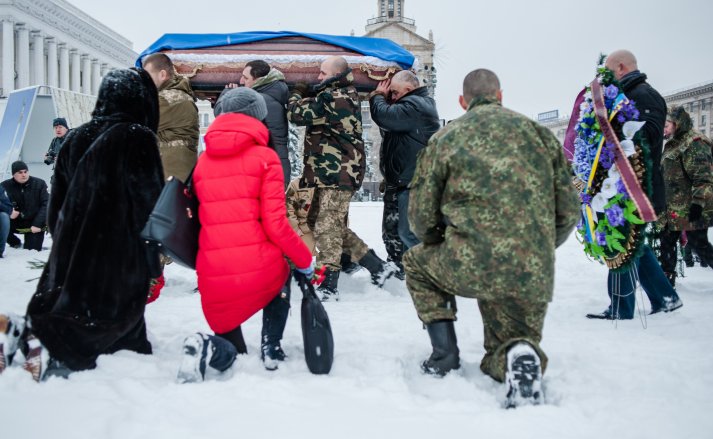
[{"x": 245, "y": 234}]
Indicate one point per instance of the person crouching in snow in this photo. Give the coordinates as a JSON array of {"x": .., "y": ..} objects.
[
  {"x": 91, "y": 296},
  {"x": 245, "y": 234}
]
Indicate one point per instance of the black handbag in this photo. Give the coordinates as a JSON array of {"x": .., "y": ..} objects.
[
  {"x": 173, "y": 224},
  {"x": 316, "y": 330}
]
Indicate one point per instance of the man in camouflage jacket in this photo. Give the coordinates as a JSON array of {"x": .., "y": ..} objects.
[
  {"x": 178, "y": 129},
  {"x": 334, "y": 164},
  {"x": 490, "y": 200},
  {"x": 688, "y": 178}
]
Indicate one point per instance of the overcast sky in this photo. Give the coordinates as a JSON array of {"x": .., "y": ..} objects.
[{"x": 543, "y": 51}]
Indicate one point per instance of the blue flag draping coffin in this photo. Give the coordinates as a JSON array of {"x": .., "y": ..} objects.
[{"x": 213, "y": 60}]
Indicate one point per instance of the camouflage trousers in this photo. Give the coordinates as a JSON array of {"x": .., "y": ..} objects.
[
  {"x": 178, "y": 160},
  {"x": 390, "y": 227},
  {"x": 506, "y": 321},
  {"x": 329, "y": 214}
]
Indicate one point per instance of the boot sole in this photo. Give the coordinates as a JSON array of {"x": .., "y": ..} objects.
[{"x": 524, "y": 379}]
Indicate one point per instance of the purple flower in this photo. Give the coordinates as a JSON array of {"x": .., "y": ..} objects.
[
  {"x": 606, "y": 158},
  {"x": 615, "y": 216},
  {"x": 585, "y": 198},
  {"x": 621, "y": 117},
  {"x": 611, "y": 92},
  {"x": 621, "y": 189},
  {"x": 601, "y": 238}
]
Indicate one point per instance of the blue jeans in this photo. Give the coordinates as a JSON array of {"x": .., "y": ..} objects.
[
  {"x": 653, "y": 281},
  {"x": 407, "y": 237},
  {"x": 4, "y": 230}
]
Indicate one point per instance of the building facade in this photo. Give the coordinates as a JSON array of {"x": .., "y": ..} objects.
[
  {"x": 391, "y": 23},
  {"x": 697, "y": 101},
  {"x": 51, "y": 42}
]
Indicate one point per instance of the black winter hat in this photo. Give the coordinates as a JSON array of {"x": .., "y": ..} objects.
[
  {"x": 18, "y": 166},
  {"x": 60, "y": 121}
]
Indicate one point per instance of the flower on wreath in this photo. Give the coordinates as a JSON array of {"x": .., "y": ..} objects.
[{"x": 611, "y": 207}]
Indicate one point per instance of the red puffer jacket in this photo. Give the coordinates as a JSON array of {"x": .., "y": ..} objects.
[{"x": 245, "y": 233}]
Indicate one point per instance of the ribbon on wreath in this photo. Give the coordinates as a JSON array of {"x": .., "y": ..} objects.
[{"x": 628, "y": 175}]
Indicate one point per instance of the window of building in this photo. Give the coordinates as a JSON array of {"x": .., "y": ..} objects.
[
  {"x": 703, "y": 120},
  {"x": 703, "y": 105}
]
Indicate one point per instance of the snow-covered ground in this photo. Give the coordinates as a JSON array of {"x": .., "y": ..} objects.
[{"x": 646, "y": 378}]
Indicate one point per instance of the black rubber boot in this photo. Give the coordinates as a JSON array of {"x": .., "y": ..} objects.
[
  {"x": 274, "y": 319},
  {"x": 328, "y": 291},
  {"x": 380, "y": 270},
  {"x": 445, "y": 356}
]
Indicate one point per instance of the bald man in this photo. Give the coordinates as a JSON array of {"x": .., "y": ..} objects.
[
  {"x": 408, "y": 117},
  {"x": 334, "y": 163},
  {"x": 652, "y": 110}
]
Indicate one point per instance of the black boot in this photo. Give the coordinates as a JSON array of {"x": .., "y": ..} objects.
[
  {"x": 328, "y": 291},
  {"x": 349, "y": 266},
  {"x": 445, "y": 348},
  {"x": 379, "y": 269},
  {"x": 274, "y": 319}
]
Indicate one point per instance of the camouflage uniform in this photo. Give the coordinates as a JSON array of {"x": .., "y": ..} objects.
[
  {"x": 299, "y": 201},
  {"x": 334, "y": 163},
  {"x": 390, "y": 227},
  {"x": 688, "y": 177},
  {"x": 490, "y": 201},
  {"x": 178, "y": 128}
]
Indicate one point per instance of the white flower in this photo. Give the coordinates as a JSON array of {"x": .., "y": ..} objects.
[
  {"x": 608, "y": 188},
  {"x": 598, "y": 203},
  {"x": 631, "y": 128},
  {"x": 628, "y": 147},
  {"x": 614, "y": 173}
]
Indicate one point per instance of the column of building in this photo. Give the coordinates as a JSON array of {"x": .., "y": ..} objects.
[{"x": 30, "y": 58}]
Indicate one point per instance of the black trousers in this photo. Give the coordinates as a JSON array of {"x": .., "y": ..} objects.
[
  {"x": 697, "y": 239},
  {"x": 33, "y": 241}
]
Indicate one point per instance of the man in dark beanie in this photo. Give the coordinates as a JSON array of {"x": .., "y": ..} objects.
[
  {"x": 60, "y": 133},
  {"x": 29, "y": 198}
]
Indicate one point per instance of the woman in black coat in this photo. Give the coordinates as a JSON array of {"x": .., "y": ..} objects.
[{"x": 91, "y": 297}]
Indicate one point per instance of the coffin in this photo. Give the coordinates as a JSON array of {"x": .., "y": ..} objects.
[{"x": 212, "y": 61}]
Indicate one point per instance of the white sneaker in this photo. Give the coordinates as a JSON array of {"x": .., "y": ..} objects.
[
  {"x": 196, "y": 356},
  {"x": 11, "y": 329},
  {"x": 523, "y": 376}
]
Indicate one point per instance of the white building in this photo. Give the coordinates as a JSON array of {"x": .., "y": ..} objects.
[{"x": 51, "y": 42}]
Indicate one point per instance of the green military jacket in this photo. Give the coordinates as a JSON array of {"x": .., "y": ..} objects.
[
  {"x": 178, "y": 121},
  {"x": 333, "y": 148},
  {"x": 178, "y": 129},
  {"x": 686, "y": 165},
  {"x": 493, "y": 191}
]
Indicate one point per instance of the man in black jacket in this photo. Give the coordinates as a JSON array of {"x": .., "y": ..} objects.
[
  {"x": 407, "y": 122},
  {"x": 270, "y": 83},
  {"x": 29, "y": 199},
  {"x": 652, "y": 109}
]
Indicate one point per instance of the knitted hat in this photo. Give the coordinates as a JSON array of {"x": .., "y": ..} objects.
[
  {"x": 242, "y": 100},
  {"x": 18, "y": 166},
  {"x": 60, "y": 121}
]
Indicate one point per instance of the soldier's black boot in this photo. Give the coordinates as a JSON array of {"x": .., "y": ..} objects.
[
  {"x": 687, "y": 256},
  {"x": 328, "y": 291},
  {"x": 445, "y": 356},
  {"x": 348, "y": 266},
  {"x": 380, "y": 270},
  {"x": 523, "y": 376}
]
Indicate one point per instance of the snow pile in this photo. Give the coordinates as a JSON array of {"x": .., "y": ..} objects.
[{"x": 605, "y": 379}]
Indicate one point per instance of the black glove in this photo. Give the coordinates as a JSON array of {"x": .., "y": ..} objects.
[
  {"x": 695, "y": 212},
  {"x": 301, "y": 88}
]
